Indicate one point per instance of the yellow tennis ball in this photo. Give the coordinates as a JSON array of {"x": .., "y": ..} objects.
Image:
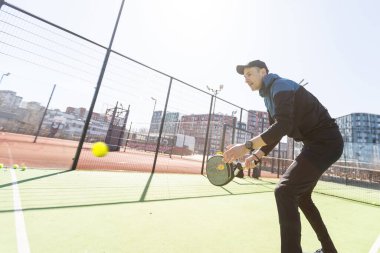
[
  {"x": 100, "y": 149},
  {"x": 1, "y": 165},
  {"x": 15, "y": 166},
  {"x": 23, "y": 167}
]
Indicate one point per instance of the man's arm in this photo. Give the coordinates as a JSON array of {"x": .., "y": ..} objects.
[
  {"x": 268, "y": 148},
  {"x": 282, "y": 125},
  {"x": 283, "y": 116},
  {"x": 262, "y": 149}
]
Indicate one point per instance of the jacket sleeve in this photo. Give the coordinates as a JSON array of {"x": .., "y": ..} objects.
[
  {"x": 283, "y": 117},
  {"x": 268, "y": 148}
]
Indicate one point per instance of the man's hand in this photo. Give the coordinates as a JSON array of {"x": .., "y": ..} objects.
[
  {"x": 233, "y": 152},
  {"x": 252, "y": 160}
]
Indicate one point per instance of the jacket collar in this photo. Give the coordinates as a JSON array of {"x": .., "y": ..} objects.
[{"x": 267, "y": 83}]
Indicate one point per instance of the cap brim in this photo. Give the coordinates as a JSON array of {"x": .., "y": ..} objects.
[{"x": 240, "y": 69}]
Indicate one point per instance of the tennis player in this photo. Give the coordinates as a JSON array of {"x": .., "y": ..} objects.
[{"x": 295, "y": 112}]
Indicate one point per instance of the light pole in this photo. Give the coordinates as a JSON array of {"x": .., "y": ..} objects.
[
  {"x": 215, "y": 92},
  {"x": 154, "y": 108},
  {"x": 43, "y": 116},
  {"x": 2, "y": 76},
  {"x": 233, "y": 127},
  {"x": 129, "y": 132}
]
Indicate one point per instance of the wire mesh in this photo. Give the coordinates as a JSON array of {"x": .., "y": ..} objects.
[{"x": 149, "y": 119}]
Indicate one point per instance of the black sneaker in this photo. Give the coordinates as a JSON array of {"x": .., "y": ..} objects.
[
  {"x": 319, "y": 251},
  {"x": 240, "y": 174}
]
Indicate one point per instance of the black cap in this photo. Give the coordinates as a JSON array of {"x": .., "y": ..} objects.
[{"x": 256, "y": 63}]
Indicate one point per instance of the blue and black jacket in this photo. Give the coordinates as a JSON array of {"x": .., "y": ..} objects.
[{"x": 293, "y": 111}]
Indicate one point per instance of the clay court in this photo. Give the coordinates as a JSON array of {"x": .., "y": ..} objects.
[
  {"x": 58, "y": 154},
  {"x": 50, "y": 153}
]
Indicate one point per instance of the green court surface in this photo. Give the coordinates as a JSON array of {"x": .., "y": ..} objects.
[{"x": 89, "y": 211}]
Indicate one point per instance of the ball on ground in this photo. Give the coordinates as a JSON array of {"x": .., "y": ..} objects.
[
  {"x": 23, "y": 167},
  {"x": 1, "y": 165},
  {"x": 15, "y": 166},
  {"x": 100, "y": 149}
]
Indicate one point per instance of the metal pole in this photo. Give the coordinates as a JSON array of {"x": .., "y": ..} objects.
[
  {"x": 223, "y": 137},
  {"x": 174, "y": 141},
  {"x": 99, "y": 83},
  {"x": 174, "y": 144},
  {"x": 126, "y": 141},
  {"x": 215, "y": 92},
  {"x": 207, "y": 132},
  {"x": 240, "y": 125},
  {"x": 43, "y": 117},
  {"x": 123, "y": 129},
  {"x": 233, "y": 129},
  {"x": 2, "y": 76},
  {"x": 150, "y": 125},
  {"x": 183, "y": 144},
  {"x": 109, "y": 136},
  {"x": 262, "y": 130},
  {"x": 212, "y": 125},
  {"x": 249, "y": 171},
  {"x": 162, "y": 126},
  {"x": 345, "y": 165}
]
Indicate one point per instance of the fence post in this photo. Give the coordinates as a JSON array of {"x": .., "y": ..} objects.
[
  {"x": 162, "y": 125},
  {"x": 43, "y": 116},
  {"x": 124, "y": 126},
  {"x": 108, "y": 139},
  {"x": 240, "y": 125},
  {"x": 233, "y": 129},
  {"x": 207, "y": 132},
  {"x": 223, "y": 137},
  {"x": 129, "y": 132},
  {"x": 99, "y": 83}
]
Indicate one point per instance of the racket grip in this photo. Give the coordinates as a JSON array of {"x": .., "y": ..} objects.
[{"x": 239, "y": 167}]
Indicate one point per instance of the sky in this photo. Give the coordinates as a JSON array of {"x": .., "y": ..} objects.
[{"x": 332, "y": 45}]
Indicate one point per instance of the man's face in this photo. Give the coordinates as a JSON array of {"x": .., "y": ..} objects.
[{"x": 254, "y": 77}]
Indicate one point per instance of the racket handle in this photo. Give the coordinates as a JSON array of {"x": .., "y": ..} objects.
[{"x": 239, "y": 167}]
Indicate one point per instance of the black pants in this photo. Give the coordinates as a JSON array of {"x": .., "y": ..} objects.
[{"x": 296, "y": 185}]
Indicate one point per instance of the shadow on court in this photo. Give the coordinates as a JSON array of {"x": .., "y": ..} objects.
[
  {"x": 55, "y": 187},
  {"x": 99, "y": 211}
]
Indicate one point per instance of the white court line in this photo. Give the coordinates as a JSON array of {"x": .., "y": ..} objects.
[
  {"x": 22, "y": 237},
  {"x": 376, "y": 246}
]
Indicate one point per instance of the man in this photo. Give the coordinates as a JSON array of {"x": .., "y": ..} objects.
[{"x": 295, "y": 112}]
